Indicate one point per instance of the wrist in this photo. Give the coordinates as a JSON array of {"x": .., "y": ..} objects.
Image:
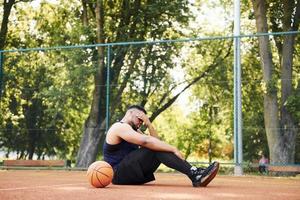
[
  {"x": 148, "y": 125},
  {"x": 174, "y": 149}
]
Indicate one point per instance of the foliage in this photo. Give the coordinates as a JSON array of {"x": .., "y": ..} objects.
[
  {"x": 43, "y": 110},
  {"x": 47, "y": 94},
  {"x": 254, "y": 136}
]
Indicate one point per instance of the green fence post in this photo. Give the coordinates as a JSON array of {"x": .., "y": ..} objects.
[
  {"x": 107, "y": 87},
  {"x": 1, "y": 73}
]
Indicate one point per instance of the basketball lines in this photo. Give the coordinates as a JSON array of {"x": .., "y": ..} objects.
[
  {"x": 96, "y": 174},
  {"x": 45, "y": 186},
  {"x": 102, "y": 172},
  {"x": 99, "y": 179}
]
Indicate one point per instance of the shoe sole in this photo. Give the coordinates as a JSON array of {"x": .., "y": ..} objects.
[{"x": 211, "y": 176}]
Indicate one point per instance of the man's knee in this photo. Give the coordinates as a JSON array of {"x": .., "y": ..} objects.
[
  {"x": 148, "y": 151},
  {"x": 157, "y": 154}
]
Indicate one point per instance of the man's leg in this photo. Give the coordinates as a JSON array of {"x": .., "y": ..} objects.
[
  {"x": 172, "y": 161},
  {"x": 138, "y": 168},
  {"x": 199, "y": 176}
]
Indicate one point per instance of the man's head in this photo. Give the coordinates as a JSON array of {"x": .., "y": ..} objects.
[
  {"x": 134, "y": 116},
  {"x": 138, "y": 107}
]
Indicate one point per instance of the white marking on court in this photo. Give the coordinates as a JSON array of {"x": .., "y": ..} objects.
[{"x": 44, "y": 186}]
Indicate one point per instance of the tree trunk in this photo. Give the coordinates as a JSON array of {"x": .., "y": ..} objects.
[
  {"x": 288, "y": 125},
  {"x": 85, "y": 20},
  {"x": 7, "y": 5},
  {"x": 89, "y": 146},
  {"x": 270, "y": 95},
  {"x": 95, "y": 123},
  {"x": 281, "y": 134}
]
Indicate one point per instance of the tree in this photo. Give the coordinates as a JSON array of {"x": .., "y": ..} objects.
[
  {"x": 280, "y": 124},
  {"x": 7, "y": 6},
  {"x": 46, "y": 92},
  {"x": 123, "y": 21},
  {"x": 140, "y": 74}
]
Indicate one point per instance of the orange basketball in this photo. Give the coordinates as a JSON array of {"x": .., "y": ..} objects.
[{"x": 100, "y": 174}]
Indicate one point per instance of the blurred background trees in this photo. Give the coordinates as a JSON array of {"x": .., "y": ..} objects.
[{"x": 53, "y": 101}]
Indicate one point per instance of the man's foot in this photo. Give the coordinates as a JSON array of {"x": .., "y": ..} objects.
[{"x": 203, "y": 176}]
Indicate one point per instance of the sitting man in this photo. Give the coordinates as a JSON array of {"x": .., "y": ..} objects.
[{"x": 135, "y": 156}]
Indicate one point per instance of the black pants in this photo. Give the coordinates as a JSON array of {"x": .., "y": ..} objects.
[
  {"x": 262, "y": 169},
  {"x": 138, "y": 166}
]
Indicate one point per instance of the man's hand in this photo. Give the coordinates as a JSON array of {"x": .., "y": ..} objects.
[
  {"x": 144, "y": 118},
  {"x": 148, "y": 124}
]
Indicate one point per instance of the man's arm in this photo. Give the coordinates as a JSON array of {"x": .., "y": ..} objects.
[
  {"x": 152, "y": 130},
  {"x": 150, "y": 142},
  {"x": 149, "y": 125}
]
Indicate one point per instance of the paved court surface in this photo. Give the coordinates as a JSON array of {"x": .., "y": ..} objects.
[{"x": 42, "y": 184}]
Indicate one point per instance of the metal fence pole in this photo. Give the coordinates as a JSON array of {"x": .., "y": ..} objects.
[
  {"x": 107, "y": 88},
  {"x": 238, "y": 150},
  {"x": 1, "y": 72}
]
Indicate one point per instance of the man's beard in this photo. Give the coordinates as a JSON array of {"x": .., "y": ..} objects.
[{"x": 134, "y": 127}]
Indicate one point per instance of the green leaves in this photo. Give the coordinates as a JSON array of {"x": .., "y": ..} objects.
[
  {"x": 47, "y": 93},
  {"x": 293, "y": 105}
]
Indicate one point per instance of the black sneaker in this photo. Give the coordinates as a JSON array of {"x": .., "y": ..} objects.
[
  {"x": 201, "y": 170},
  {"x": 203, "y": 176}
]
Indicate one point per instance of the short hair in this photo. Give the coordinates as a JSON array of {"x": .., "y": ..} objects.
[{"x": 141, "y": 108}]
